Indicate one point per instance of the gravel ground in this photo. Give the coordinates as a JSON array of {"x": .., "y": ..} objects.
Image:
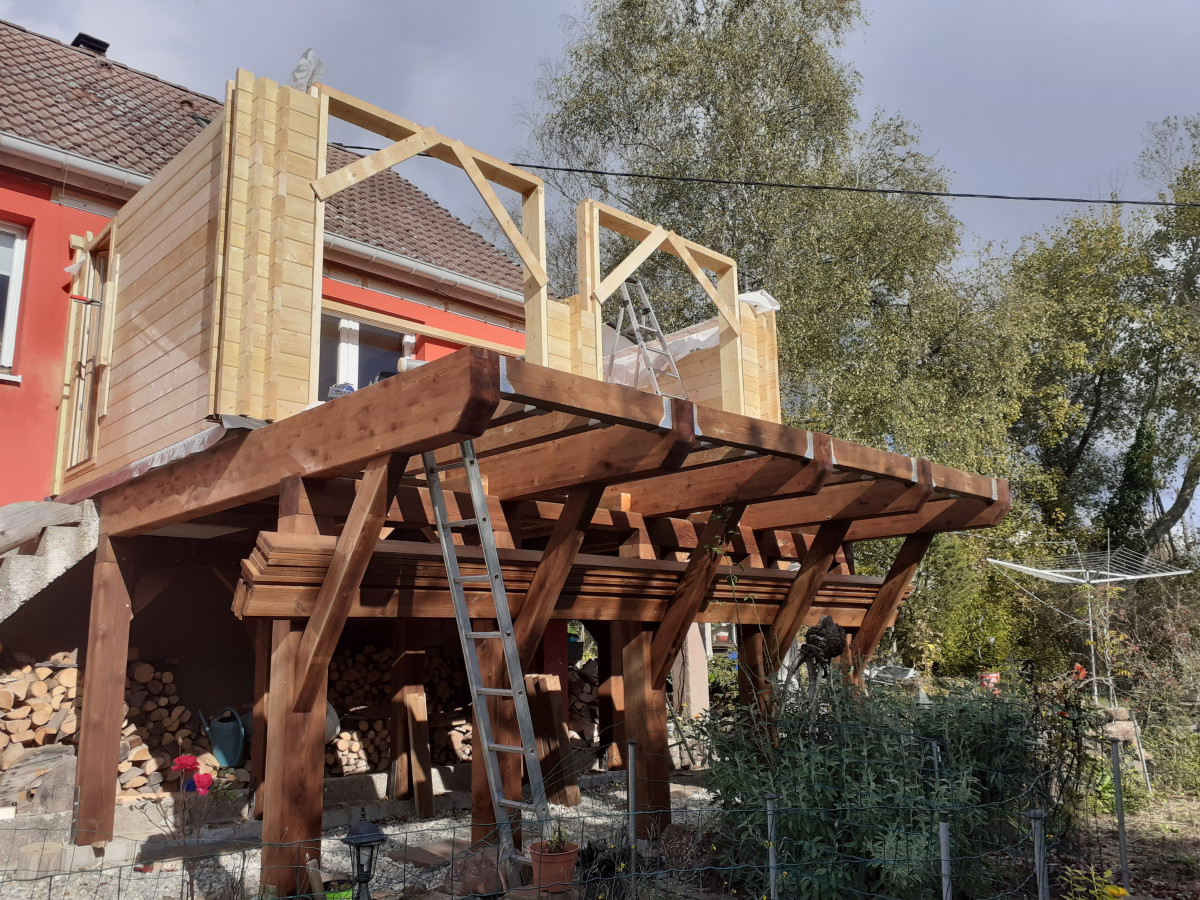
[{"x": 233, "y": 871}]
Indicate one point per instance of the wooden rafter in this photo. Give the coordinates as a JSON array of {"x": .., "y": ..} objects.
[
  {"x": 795, "y": 608},
  {"x": 350, "y": 557},
  {"x": 553, "y": 569},
  {"x": 392, "y": 155},
  {"x": 883, "y": 609},
  {"x": 693, "y": 587}
]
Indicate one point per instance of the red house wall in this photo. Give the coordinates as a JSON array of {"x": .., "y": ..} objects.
[
  {"x": 427, "y": 348},
  {"x": 29, "y": 410}
]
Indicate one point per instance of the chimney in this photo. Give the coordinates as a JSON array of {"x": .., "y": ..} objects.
[{"x": 87, "y": 42}]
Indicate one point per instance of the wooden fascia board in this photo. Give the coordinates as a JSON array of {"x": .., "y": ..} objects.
[{"x": 446, "y": 401}]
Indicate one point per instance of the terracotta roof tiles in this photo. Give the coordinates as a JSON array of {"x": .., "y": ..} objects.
[{"x": 87, "y": 104}]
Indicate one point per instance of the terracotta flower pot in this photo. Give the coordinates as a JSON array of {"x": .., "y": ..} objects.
[{"x": 553, "y": 872}]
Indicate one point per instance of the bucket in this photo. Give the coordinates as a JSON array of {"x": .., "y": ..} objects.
[{"x": 227, "y": 735}]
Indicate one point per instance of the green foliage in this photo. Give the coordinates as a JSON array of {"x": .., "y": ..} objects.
[
  {"x": 1088, "y": 884},
  {"x": 722, "y": 682},
  {"x": 1176, "y": 766},
  {"x": 858, "y": 790}
]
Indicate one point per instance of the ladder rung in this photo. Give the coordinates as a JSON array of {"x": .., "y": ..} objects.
[
  {"x": 506, "y": 748},
  {"x": 483, "y": 635},
  {"x": 494, "y": 692},
  {"x": 462, "y": 523},
  {"x": 518, "y": 804},
  {"x": 462, "y": 579},
  {"x": 446, "y": 467}
]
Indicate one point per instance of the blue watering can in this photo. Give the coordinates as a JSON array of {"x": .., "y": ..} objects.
[{"x": 227, "y": 735}]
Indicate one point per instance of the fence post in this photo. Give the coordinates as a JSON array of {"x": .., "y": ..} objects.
[
  {"x": 1039, "y": 854},
  {"x": 631, "y": 793},
  {"x": 1120, "y": 801},
  {"x": 944, "y": 841},
  {"x": 771, "y": 858}
]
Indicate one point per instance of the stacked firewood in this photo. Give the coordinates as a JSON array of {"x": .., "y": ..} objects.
[
  {"x": 363, "y": 748},
  {"x": 583, "y": 705},
  {"x": 360, "y": 689},
  {"x": 37, "y": 705},
  {"x": 450, "y": 738},
  {"x": 158, "y": 728}
]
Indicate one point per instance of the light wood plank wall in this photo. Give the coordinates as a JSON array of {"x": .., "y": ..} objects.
[
  {"x": 166, "y": 247},
  {"x": 270, "y": 325}
]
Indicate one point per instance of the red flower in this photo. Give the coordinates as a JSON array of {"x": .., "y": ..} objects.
[
  {"x": 203, "y": 781},
  {"x": 186, "y": 764},
  {"x": 1080, "y": 672}
]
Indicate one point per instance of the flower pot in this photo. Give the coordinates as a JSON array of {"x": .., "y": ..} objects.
[{"x": 553, "y": 872}]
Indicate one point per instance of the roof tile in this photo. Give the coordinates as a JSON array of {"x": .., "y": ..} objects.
[{"x": 75, "y": 100}]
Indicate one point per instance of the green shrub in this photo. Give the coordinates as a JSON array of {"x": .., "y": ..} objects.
[
  {"x": 1176, "y": 765},
  {"x": 859, "y": 789},
  {"x": 722, "y": 682}
]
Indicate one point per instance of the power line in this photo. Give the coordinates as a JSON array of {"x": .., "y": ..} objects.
[
  {"x": 952, "y": 195},
  {"x": 791, "y": 185}
]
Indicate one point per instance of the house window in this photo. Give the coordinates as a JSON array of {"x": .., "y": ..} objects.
[
  {"x": 356, "y": 353},
  {"x": 12, "y": 262}
]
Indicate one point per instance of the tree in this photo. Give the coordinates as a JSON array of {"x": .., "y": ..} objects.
[{"x": 880, "y": 340}]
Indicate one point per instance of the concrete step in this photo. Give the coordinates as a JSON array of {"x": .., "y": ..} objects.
[{"x": 59, "y": 548}]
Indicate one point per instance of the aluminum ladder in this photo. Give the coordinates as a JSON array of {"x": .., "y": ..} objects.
[
  {"x": 484, "y": 741},
  {"x": 645, "y": 331}
]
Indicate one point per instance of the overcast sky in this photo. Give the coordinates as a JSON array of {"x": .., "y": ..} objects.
[{"x": 1023, "y": 96}]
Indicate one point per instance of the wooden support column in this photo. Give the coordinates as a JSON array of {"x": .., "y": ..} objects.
[
  {"x": 882, "y": 611},
  {"x": 547, "y": 708},
  {"x": 754, "y": 691},
  {"x": 295, "y": 769},
  {"x": 611, "y": 638},
  {"x": 646, "y": 722},
  {"x": 408, "y": 728},
  {"x": 504, "y": 731},
  {"x": 258, "y": 730},
  {"x": 103, "y": 697}
]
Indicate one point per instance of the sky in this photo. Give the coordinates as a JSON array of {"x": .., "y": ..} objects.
[
  {"x": 1020, "y": 96},
  {"x": 1024, "y": 96}
]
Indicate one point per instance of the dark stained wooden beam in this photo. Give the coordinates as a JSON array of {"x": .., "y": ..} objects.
[
  {"x": 295, "y": 770},
  {"x": 693, "y": 588},
  {"x": 883, "y": 609},
  {"x": 103, "y": 696},
  {"x": 739, "y": 481},
  {"x": 350, "y": 558},
  {"x": 936, "y": 517},
  {"x": 845, "y": 500},
  {"x": 446, "y": 401},
  {"x": 794, "y": 609},
  {"x": 646, "y": 722},
  {"x": 553, "y": 569}
]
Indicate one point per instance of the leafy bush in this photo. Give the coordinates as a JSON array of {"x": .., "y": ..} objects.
[
  {"x": 859, "y": 788},
  {"x": 722, "y": 682},
  {"x": 1176, "y": 765}
]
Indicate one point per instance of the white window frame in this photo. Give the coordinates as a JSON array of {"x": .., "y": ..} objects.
[{"x": 16, "y": 279}]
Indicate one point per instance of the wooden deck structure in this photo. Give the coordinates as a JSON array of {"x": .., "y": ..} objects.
[{"x": 614, "y": 507}]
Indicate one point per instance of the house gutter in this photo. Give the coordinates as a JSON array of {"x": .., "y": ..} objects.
[
  {"x": 440, "y": 276},
  {"x": 71, "y": 162}
]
